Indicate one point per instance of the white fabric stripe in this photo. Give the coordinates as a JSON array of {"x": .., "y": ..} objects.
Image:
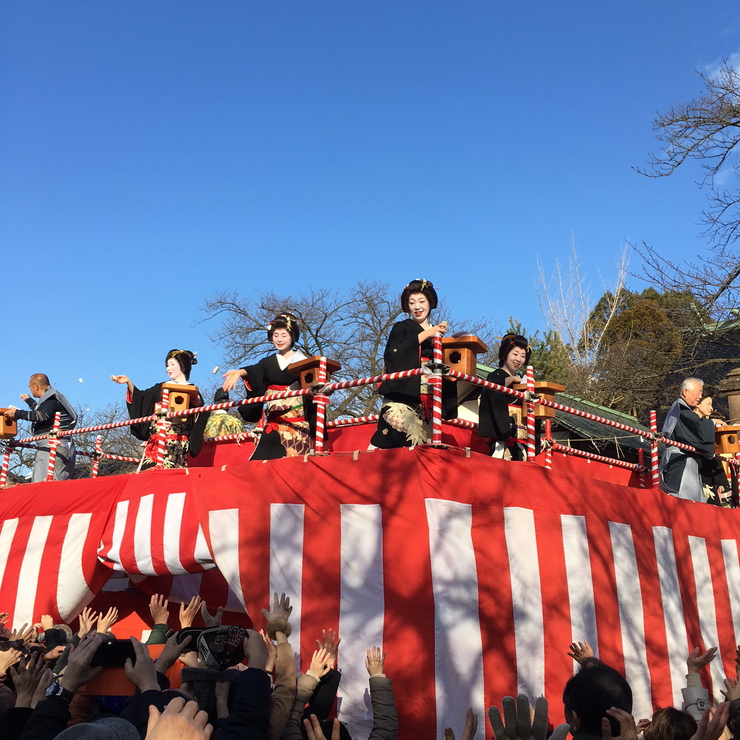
[
  {"x": 732, "y": 573},
  {"x": 184, "y": 587},
  {"x": 675, "y": 626},
  {"x": 28, "y": 578},
  {"x": 143, "y": 536},
  {"x": 631, "y": 617},
  {"x": 361, "y": 607},
  {"x": 7, "y": 532},
  {"x": 580, "y": 582},
  {"x": 224, "y": 529},
  {"x": 119, "y": 527},
  {"x": 526, "y": 597},
  {"x": 286, "y": 563},
  {"x": 707, "y": 609},
  {"x": 202, "y": 552},
  {"x": 458, "y": 647},
  {"x": 172, "y": 528},
  {"x": 72, "y": 588}
]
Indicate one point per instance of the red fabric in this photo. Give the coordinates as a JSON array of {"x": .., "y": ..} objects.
[{"x": 131, "y": 522}]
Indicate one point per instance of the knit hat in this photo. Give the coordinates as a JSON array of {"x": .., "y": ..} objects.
[{"x": 105, "y": 728}]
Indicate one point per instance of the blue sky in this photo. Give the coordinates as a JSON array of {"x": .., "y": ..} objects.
[{"x": 154, "y": 153}]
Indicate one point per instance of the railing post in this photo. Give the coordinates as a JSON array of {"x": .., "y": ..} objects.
[
  {"x": 5, "y": 465},
  {"x": 643, "y": 469},
  {"x": 435, "y": 381},
  {"x": 97, "y": 456},
  {"x": 321, "y": 400},
  {"x": 162, "y": 424},
  {"x": 548, "y": 443},
  {"x": 655, "y": 480},
  {"x": 54, "y": 443},
  {"x": 531, "y": 431}
]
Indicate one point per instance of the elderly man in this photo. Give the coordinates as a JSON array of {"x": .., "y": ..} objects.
[
  {"x": 680, "y": 470},
  {"x": 44, "y": 405}
]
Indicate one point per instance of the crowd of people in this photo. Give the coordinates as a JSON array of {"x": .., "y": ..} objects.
[{"x": 238, "y": 683}]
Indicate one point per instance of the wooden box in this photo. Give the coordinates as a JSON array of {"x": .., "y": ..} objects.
[
  {"x": 547, "y": 390},
  {"x": 310, "y": 370},
  {"x": 8, "y": 427},
  {"x": 182, "y": 397},
  {"x": 459, "y": 353},
  {"x": 726, "y": 440}
]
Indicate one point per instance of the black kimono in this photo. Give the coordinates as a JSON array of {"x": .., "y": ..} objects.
[
  {"x": 402, "y": 420},
  {"x": 494, "y": 420},
  {"x": 289, "y": 423},
  {"x": 183, "y": 438}
]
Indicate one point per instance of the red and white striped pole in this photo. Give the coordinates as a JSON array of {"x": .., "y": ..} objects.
[
  {"x": 5, "y": 466},
  {"x": 643, "y": 471},
  {"x": 162, "y": 424},
  {"x": 322, "y": 401},
  {"x": 655, "y": 480},
  {"x": 548, "y": 444},
  {"x": 54, "y": 443},
  {"x": 531, "y": 431},
  {"x": 97, "y": 456},
  {"x": 435, "y": 381}
]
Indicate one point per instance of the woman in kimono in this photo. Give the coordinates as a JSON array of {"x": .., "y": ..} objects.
[
  {"x": 183, "y": 437},
  {"x": 403, "y": 417},
  {"x": 494, "y": 421},
  {"x": 286, "y": 428}
]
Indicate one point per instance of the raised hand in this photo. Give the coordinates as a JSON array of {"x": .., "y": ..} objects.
[
  {"x": 107, "y": 621},
  {"x": 627, "y": 726},
  {"x": 8, "y": 658},
  {"x": 25, "y": 633},
  {"x": 189, "y": 612},
  {"x": 30, "y": 672},
  {"x": 158, "y": 609},
  {"x": 330, "y": 642},
  {"x": 471, "y": 727},
  {"x": 87, "y": 620},
  {"x": 695, "y": 661},
  {"x": 518, "y": 723},
  {"x": 281, "y": 608},
  {"x": 141, "y": 673},
  {"x": 271, "y": 652},
  {"x": 79, "y": 669},
  {"x": 47, "y": 622},
  {"x": 211, "y": 620},
  {"x": 314, "y": 731},
  {"x": 179, "y": 721},
  {"x": 320, "y": 663},
  {"x": 171, "y": 651},
  {"x": 710, "y": 728},
  {"x": 375, "y": 661},
  {"x": 579, "y": 651}
]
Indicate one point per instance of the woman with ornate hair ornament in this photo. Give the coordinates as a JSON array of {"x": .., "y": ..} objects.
[
  {"x": 286, "y": 429},
  {"x": 403, "y": 418},
  {"x": 183, "y": 438},
  {"x": 494, "y": 421}
]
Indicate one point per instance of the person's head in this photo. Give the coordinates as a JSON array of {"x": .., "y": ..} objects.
[
  {"x": 513, "y": 353},
  {"x": 691, "y": 391},
  {"x": 180, "y": 361},
  {"x": 283, "y": 332},
  {"x": 670, "y": 724},
  {"x": 587, "y": 695},
  {"x": 37, "y": 384},
  {"x": 704, "y": 408},
  {"x": 418, "y": 299}
]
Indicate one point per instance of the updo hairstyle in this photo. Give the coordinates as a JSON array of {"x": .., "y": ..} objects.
[
  {"x": 424, "y": 287},
  {"x": 508, "y": 343},
  {"x": 285, "y": 321},
  {"x": 185, "y": 359}
]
